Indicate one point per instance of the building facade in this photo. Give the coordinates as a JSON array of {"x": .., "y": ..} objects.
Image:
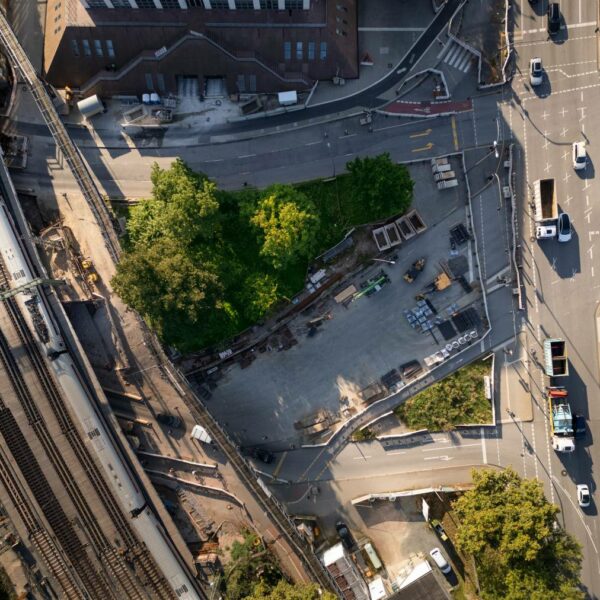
[{"x": 114, "y": 47}]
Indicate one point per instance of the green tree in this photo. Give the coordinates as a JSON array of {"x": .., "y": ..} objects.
[
  {"x": 380, "y": 187},
  {"x": 183, "y": 206},
  {"x": 508, "y": 525},
  {"x": 287, "y": 591},
  {"x": 174, "y": 291},
  {"x": 288, "y": 224},
  {"x": 259, "y": 295}
]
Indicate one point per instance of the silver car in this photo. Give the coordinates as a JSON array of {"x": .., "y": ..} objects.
[{"x": 536, "y": 72}]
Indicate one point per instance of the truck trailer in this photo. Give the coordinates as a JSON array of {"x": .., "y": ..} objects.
[
  {"x": 561, "y": 420},
  {"x": 556, "y": 361},
  {"x": 546, "y": 208}
]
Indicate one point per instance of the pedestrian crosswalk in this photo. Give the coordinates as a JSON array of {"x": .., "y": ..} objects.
[{"x": 457, "y": 56}]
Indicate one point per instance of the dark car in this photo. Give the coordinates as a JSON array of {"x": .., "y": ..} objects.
[
  {"x": 579, "y": 426},
  {"x": 553, "y": 18},
  {"x": 169, "y": 420},
  {"x": 345, "y": 535},
  {"x": 410, "y": 369},
  {"x": 263, "y": 455}
]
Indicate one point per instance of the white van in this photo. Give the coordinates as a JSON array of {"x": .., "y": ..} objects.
[{"x": 440, "y": 561}]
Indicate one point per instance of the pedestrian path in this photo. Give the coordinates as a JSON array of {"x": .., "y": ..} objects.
[{"x": 457, "y": 56}]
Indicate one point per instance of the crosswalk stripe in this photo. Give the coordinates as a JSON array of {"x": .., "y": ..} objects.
[{"x": 450, "y": 56}]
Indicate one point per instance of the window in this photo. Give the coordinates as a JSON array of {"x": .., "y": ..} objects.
[
  {"x": 195, "y": 3},
  {"x": 96, "y": 3},
  {"x": 145, "y": 3},
  {"x": 252, "y": 82},
  {"x": 311, "y": 50},
  {"x": 75, "y": 47},
  {"x": 269, "y": 4},
  {"x": 87, "y": 51},
  {"x": 241, "y": 83},
  {"x": 299, "y": 51},
  {"x": 110, "y": 49},
  {"x": 170, "y": 3},
  {"x": 160, "y": 82},
  {"x": 121, "y": 3},
  {"x": 219, "y": 4},
  {"x": 244, "y": 4},
  {"x": 98, "y": 48},
  {"x": 294, "y": 4},
  {"x": 287, "y": 50},
  {"x": 323, "y": 52},
  {"x": 149, "y": 82}
]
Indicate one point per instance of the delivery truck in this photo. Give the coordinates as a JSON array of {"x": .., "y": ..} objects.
[{"x": 546, "y": 208}]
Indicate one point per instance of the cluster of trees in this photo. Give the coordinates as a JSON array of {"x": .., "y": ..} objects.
[
  {"x": 458, "y": 399},
  {"x": 510, "y": 528},
  {"x": 201, "y": 264},
  {"x": 254, "y": 574}
]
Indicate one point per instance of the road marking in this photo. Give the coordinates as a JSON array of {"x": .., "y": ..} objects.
[
  {"x": 563, "y": 132},
  {"x": 545, "y": 115},
  {"x": 246, "y": 155},
  {"x": 313, "y": 143},
  {"x": 454, "y": 133},
  {"x": 394, "y": 453},
  {"x": 474, "y": 122},
  {"x": 421, "y": 133},
  {"x": 566, "y": 154},
  {"x": 360, "y": 457},
  {"x": 446, "y": 458},
  {"x": 279, "y": 464},
  {"x": 547, "y": 167},
  {"x": 427, "y": 146},
  {"x": 483, "y": 448},
  {"x": 454, "y": 447}
]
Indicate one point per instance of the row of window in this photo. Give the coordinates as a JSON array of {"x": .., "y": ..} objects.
[
  {"x": 311, "y": 50},
  {"x": 160, "y": 82},
  {"x": 98, "y": 49},
  {"x": 241, "y": 83},
  {"x": 216, "y": 4}
]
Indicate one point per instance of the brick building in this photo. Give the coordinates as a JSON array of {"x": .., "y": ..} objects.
[{"x": 136, "y": 46}]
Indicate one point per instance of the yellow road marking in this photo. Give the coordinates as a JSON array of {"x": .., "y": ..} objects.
[
  {"x": 427, "y": 146},
  {"x": 279, "y": 464},
  {"x": 420, "y": 134},
  {"x": 454, "y": 133}
]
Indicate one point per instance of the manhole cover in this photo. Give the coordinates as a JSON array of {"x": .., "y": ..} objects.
[{"x": 564, "y": 472}]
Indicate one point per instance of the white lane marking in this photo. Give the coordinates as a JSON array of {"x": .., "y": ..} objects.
[
  {"x": 313, "y": 143},
  {"x": 246, "y": 155},
  {"x": 361, "y": 457},
  {"x": 457, "y": 447},
  {"x": 483, "y": 448},
  {"x": 395, "y": 453},
  {"x": 446, "y": 458}
]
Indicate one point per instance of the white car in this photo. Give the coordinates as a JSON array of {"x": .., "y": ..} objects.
[
  {"x": 579, "y": 155},
  {"x": 583, "y": 495},
  {"x": 564, "y": 228},
  {"x": 536, "y": 72},
  {"x": 440, "y": 561}
]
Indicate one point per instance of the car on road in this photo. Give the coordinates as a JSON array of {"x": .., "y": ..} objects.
[
  {"x": 536, "y": 71},
  {"x": 345, "y": 535},
  {"x": 440, "y": 561},
  {"x": 263, "y": 455},
  {"x": 583, "y": 495},
  {"x": 169, "y": 420},
  {"x": 564, "y": 228},
  {"x": 553, "y": 18},
  {"x": 579, "y": 155}
]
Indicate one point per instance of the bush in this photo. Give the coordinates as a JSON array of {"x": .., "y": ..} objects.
[{"x": 458, "y": 399}]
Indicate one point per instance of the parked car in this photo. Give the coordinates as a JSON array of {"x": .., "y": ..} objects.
[
  {"x": 553, "y": 18},
  {"x": 564, "y": 228},
  {"x": 536, "y": 72},
  {"x": 579, "y": 426},
  {"x": 583, "y": 495},
  {"x": 579, "y": 155},
  {"x": 345, "y": 536},
  {"x": 440, "y": 561},
  {"x": 410, "y": 369},
  {"x": 169, "y": 420},
  {"x": 263, "y": 455}
]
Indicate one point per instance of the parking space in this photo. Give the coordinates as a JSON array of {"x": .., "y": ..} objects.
[{"x": 334, "y": 370}]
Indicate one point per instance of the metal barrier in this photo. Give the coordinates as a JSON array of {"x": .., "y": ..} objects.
[{"x": 63, "y": 141}]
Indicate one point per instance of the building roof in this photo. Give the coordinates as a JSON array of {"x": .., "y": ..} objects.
[
  {"x": 377, "y": 589},
  {"x": 333, "y": 554}
]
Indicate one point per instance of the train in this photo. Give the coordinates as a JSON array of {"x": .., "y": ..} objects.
[{"x": 38, "y": 314}]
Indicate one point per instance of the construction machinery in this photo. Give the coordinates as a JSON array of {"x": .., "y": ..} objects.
[{"x": 414, "y": 270}]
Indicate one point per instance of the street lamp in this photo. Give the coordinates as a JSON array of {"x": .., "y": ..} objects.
[{"x": 390, "y": 262}]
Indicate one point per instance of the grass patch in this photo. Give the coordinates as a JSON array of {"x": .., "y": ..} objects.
[{"x": 458, "y": 399}]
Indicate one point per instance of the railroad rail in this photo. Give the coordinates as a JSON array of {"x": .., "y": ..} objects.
[
  {"x": 96, "y": 583},
  {"x": 62, "y": 139}
]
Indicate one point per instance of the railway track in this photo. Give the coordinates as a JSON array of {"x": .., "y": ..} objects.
[{"x": 113, "y": 562}]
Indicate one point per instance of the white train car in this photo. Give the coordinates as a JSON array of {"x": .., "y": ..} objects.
[{"x": 35, "y": 307}]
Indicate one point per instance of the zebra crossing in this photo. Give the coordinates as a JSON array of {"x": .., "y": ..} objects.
[{"x": 457, "y": 56}]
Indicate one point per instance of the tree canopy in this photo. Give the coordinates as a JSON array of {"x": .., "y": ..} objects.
[
  {"x": 381, "y": 186},
  {"x": 509, "y": 526},
  {"x": 288, "y": 225},
  {"x": 287, "y": 591}
]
